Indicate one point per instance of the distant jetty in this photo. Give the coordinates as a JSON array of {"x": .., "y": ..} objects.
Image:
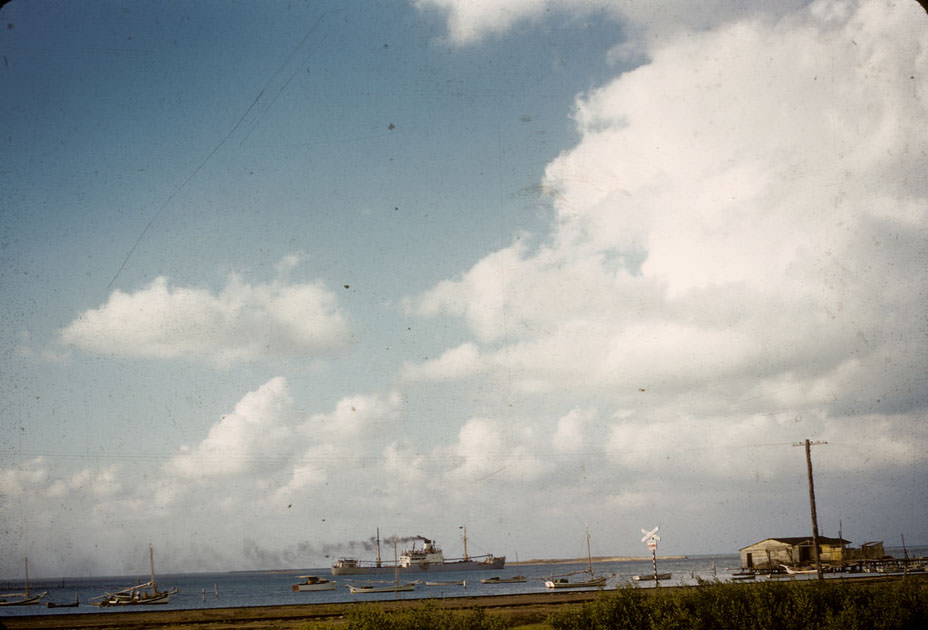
[{"x": 596, "y": 559}]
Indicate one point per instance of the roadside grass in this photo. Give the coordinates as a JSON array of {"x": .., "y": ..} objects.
[
  {"x": 799, "y": 605},
  {"x": 806, "y": 605}
]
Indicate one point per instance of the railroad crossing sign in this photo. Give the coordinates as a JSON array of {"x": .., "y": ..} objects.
[{"x": 651, "y": 537}]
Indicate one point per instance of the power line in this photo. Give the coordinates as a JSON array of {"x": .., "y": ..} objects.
[{"x": 218, "y": 146}]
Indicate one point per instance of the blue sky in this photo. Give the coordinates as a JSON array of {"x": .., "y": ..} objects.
[{"x": 277, "y": 274}]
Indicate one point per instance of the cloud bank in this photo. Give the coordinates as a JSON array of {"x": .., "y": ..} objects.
[
  {"x": 468, "y": 23},
  {"x": 744, "y": 213}
]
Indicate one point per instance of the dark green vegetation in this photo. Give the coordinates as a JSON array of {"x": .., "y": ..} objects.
[
  {"x": 801, "y": 605},
  {"x": 806, "y": 605},
  {"x": 423, "y": 617}
]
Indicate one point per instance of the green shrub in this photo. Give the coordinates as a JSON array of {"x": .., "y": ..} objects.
[
  {"x": 425, "y": 616},
  {"x": 805, "y": 605}
]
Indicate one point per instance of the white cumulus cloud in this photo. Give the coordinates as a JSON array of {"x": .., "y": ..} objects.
[
  {"x": 242, "y": 322},
  {"x": 746, "y": 209}
]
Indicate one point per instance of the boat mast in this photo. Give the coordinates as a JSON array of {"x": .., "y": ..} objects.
[
  {"x": 589, "y": 554},
  {"x": 464, "y": 527},
  {"x": 151, "y": 562},
  {"x": 378, "y": 547},
  {"x": 27, "y": 576}
]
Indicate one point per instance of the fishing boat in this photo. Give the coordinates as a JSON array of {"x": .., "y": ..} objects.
[
  {"x": 20, "y": 599},
  {"x": 504, "y": 580},
  {"x": 593, "y": 581},
  {"x": 743, "y": 576},
  {"x": 446, "y": 583},
  {"x": 794, "y": 571},
  {"x": 26, "y": 598},
  {"x": 370, "y": 588},
  {"x": 652, "y": 577},
  {"x": 73, "y": 604},
  {"x": 416, "y": 559},
  {"x": 396, "y": 587},
  {"x": 140, "y": 594},
  {"x": 314, "y": 583},
  {"x": 563, "y": 582}
]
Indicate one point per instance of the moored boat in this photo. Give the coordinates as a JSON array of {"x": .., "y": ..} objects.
[
  {"x": 141, "y": 594},
  {"x": 504, "y": 580},
  {"x": 563, "y": 582},
  {"x": 314, "y": 583},
  {"x": 742, "y": 576},
  {"x": 73, "y": 604},
  {"x": 20, "y": 599},
  {"x": 370, "y": 588},
  {"x": 26, "y": 598},
  {"x": 593, "y": 581},
  {"x": 651, "y": 577},
  {"x": 396, "y": 587}
]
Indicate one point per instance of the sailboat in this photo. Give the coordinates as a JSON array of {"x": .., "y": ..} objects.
[
  {"x": 593, "y": 581},
  {"x": 397, "y": 587},
  {"x": 140, "y": 594},
  {"x": 22, "y": 599},
  {"x": 513, "y": 579}
]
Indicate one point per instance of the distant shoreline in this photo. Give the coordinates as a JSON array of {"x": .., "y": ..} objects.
[
  {"x": 536, "y": 561},
  {"x": 595, "y": 559}
]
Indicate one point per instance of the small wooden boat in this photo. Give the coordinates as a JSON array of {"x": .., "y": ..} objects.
[
  {"x": 794, "y": 571},
  {"x": 446, "y": 583},
  {"x": 370, "y": 588},
  {"x": 650, "y": 577},
  {"x": 314, "y": 583},
  {"x": 73, "y": 604},
  {"x": 592, "y": 581},
  {"x": 740, "y": 577},
  {"x": 501, "y": 580},
  {"x": 558, "y": 583},
  {"x": 21, "y": 599}
]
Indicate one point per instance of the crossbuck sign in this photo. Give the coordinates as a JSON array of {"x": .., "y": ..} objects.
[{"x": 651, "y": 537}]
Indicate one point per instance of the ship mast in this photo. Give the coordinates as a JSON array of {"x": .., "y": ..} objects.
[
  {"x": 464, "y": 527},
  {"x": 396, "y": 565},
  {"x": 378, "y": 547}
]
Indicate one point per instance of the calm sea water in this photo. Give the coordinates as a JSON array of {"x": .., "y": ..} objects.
[{"x": 199, "y": 590}]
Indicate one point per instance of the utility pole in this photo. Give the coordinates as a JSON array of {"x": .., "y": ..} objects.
[{"x": 818, "y": 562}]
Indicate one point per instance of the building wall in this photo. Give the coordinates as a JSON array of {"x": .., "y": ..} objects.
[
  {"x": 830, "y": 553},
  {"x": 772, "y": 553},
  {"x": 769, "y": 553},
  {"x": 867, "y": 551}
]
